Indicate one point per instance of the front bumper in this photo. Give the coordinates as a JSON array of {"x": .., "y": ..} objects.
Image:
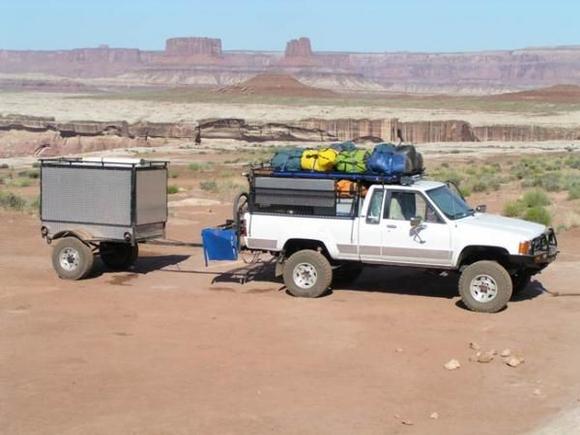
[{"x": 543, "y": 251}]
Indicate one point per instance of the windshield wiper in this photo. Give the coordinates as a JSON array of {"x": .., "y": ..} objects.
[{"x": 463, "y": 214}]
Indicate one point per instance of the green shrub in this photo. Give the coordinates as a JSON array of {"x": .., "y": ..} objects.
[
  {"x": 448, "y": 175},
  {"x": 485, "y": 182},
  {"x": 172, "y": 189},
  {"x": 535, "y": 198},
  {"x": 34, "y": 205},
  {"x": 529, "y": 182},
  {"x": 10, "y": 201},
  {"x": 538, "y": 214},
  {"x": 21, "y": 182},
  {"x": 574, "y": 192},
  {"x": 31, "y": 173},
  {"x": 530, "y": 207},
  {"x": 198, "y": 167},
  {"x": 479, "y": 186},
  {"x": 465, "y": 191},
  {"x": 573, "y": 162},
  {"x": 551, "y": 181},
  {"x": 513, "y": 208},
  {"x": 209, "y": 186}
]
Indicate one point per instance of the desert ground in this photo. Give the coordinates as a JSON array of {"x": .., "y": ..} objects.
[
  {"x": 172, "y": 346},
  {"x": 181, "y": 105}
]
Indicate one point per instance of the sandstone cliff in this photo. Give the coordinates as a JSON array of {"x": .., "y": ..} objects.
[
  {"x": 479, "y": 71},
  {"x": 24, "y": 135}
]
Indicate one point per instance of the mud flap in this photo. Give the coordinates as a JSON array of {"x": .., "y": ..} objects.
[{"x": 279, "y": 270}]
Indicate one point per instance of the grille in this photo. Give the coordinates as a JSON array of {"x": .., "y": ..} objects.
[{"x": 544, "y": 242}]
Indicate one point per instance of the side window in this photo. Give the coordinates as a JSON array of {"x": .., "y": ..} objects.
[
  {"x": 404, "y": 206},
  {"x": 375, "y": 207}
]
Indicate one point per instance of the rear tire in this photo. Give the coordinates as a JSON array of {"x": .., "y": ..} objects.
[
  {"x": 118, "y": 256},
  {"x": 485, "y": 286},
  {"x": 72, "y": 259},
  {"x": 307, "y": 274}
]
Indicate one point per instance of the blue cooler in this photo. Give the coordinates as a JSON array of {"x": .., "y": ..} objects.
[{"x": 219, "y": 244}]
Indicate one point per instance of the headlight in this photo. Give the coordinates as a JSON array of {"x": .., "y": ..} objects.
[{"x": 524, "y": 248}]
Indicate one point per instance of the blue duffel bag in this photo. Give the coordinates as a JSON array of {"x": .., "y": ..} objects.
[
  {"x": 384, "y": 160},
  {"x": 287, "y": 160}
]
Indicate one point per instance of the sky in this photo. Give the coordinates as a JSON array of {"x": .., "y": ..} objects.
[{"x": 339, "y": 25}]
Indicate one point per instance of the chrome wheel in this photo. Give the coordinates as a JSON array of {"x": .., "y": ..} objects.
[
  {"x": 483, "y": 288},
  {"x": 305, "y": 275},
  {"x": 69, "y": 259}
]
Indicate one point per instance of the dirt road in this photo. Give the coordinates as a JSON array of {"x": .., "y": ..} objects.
[{"x": 164, "y": 350}]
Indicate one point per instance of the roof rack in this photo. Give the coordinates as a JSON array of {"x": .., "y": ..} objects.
[{"x": 402, "y": 179}]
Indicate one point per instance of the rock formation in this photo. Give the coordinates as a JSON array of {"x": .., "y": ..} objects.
[
  {"x": 298, "y": 48},
  {"x": 187, "y": 47},
  {"x": 479, "y": 71},
  {"x": 281, "y": 85}
]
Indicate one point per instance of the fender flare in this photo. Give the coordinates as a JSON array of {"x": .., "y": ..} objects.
[{"x": 82, "y": 235}]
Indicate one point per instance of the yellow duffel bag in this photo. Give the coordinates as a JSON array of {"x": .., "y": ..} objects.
[{"x": 318, "y": 160}]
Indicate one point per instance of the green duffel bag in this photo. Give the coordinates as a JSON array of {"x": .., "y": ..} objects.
[{"x": 352, "y": 162}]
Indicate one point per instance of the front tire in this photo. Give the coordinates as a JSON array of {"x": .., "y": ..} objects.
[
  {"x": 118, "y": 256},
  {"x": 72, "y": 259},
  {"x": 307, "y": 274},
  {"x": 485, "y": 286}
]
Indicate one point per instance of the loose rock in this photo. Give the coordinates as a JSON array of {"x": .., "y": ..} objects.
[
  {"x": 473, "y": 345},
  {"x": 434, "y": 416},
  {"x": 452, "y": 364},
  {"x": 514, "y": 361},
  {"x": 505, "y": 353},
  {"x": 485, "y": 357}
]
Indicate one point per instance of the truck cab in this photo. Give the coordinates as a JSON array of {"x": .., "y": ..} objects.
[{"x": 413, "y": 223}]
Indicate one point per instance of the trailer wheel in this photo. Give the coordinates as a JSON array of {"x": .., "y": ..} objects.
[
  {"x": 307, "y": 274},
  {"x": 72, "y": 259},
  {"x": 485, "y": 286},
  {"x": 118, "y": 256}
]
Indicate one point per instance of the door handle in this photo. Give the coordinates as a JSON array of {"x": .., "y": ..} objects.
[{"x": 391, "y": 226}]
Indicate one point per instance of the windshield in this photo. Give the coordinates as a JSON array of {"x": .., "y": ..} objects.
[{"x": 450, "y": 203}]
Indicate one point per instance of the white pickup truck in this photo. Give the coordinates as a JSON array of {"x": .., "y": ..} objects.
[{"x": 318, "y": 235}]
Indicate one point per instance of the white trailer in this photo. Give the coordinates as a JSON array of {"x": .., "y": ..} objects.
[{"x": 100, "y": 206}]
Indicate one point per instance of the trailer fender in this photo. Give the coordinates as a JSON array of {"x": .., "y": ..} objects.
[{"x": 83, "y": 236}]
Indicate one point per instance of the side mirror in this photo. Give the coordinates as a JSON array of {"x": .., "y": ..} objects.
[
  {"x": 481, "y": 208},
  {"x": 416, "y": 221}
]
